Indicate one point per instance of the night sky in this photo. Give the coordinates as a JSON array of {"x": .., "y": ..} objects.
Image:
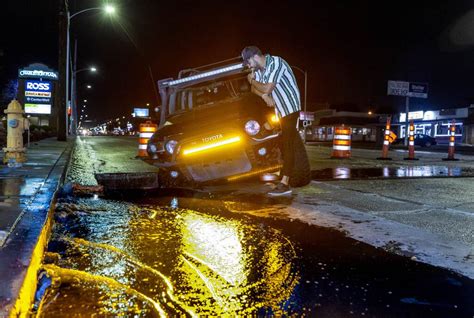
[{"x": 349, "y": 48}]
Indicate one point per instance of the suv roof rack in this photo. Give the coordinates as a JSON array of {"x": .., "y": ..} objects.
[
  {"x": 201, "y": 76},
  {"x": 169, "y": 85}
]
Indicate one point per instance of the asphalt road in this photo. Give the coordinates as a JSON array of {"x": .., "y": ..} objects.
[{"x": 232, "y": 250}]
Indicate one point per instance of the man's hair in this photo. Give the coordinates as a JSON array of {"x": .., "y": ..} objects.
[{"x": 248, "y": 52}]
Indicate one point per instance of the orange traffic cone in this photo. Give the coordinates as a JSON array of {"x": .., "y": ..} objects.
[
  {"x": 386, "y": 142},
  {"x": 411, "y": 143},
  {"x": 452, "y": 140}
]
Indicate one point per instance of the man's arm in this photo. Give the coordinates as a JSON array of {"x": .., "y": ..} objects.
[
  {"x": 262, "y": 88},
  {"x": 266, "y": 97}
]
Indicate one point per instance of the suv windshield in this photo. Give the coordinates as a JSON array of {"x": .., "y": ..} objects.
[{"x": 208, "y": 94}]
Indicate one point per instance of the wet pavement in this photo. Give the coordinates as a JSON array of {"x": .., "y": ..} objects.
[
  {"x": 348, "y": 173},
  {"x": 234, "y": 251},
  {"x": 197, "y": 255}
]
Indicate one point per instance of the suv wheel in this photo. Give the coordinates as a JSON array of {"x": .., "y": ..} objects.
[{"x": 301, "y": 170}]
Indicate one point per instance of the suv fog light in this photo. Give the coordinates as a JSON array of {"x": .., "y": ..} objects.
[
  {"x": 262, "y": 151},
  {"x": 174, "y": 174}
]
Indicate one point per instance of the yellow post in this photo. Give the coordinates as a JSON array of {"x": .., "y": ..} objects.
[{"x": 16, "y": 124}]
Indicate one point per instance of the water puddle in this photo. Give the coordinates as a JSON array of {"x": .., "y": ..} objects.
[
  {"x": 115, "y": 258},
  {"x": 390, "y": 173}
]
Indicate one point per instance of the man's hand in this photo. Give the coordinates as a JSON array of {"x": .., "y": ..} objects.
[
  {"x": 250, "y": 77},
  {"x": 268, "y": 100}
]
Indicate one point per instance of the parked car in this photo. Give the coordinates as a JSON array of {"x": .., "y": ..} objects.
[
  {"x": 420, "y": 140},
  {"x": 212, "y": 128}
]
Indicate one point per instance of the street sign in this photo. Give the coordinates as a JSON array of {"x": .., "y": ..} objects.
[
  {"x": 307, "y": 116},
  {"x": 419, "y": 90},
  {"x": 400, "y": 88},
  {"x": 141, "y": 112}
]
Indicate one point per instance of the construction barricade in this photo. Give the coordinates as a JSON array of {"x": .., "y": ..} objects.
[
  {"x": 411, "y": 142},
  {"x": 386, "y": 141},
  {"x": 341, "y": 144},
  {"x": 146, "y": 130},
  {"x": 452, "y": 140}
]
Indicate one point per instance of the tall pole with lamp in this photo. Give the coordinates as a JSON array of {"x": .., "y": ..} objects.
[{"x": 108, "y": 9}]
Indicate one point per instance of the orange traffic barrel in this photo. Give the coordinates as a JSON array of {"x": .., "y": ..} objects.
[
  {"x": 146, "y": 130},
  {"x": 341, "y": 143}
]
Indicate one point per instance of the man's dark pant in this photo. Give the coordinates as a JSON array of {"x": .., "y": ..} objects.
[{"x": 289, "y": 135}]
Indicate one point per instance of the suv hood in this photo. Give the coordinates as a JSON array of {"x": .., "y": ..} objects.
[{"x": 211, "y": 117}]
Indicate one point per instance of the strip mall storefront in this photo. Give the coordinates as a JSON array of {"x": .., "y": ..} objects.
[{"x": 436, "y": 123}]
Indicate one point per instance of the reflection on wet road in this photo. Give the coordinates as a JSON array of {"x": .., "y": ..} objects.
[
  {"x": 390, "y": 173},
  {"x": 194, "y": 256},
  {"x": 114, "y": 258}
]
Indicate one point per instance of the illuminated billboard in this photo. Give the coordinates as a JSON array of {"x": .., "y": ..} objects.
[{"x": 141, "y": 112}]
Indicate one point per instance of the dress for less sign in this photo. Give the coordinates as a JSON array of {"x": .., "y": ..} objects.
[{"x": 38, "y": 97}]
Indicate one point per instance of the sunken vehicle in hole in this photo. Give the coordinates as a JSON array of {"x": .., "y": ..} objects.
[{"x": 213, "y": 128}]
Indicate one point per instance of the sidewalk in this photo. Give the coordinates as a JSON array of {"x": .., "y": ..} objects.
[{"x": 26, "y": 195}]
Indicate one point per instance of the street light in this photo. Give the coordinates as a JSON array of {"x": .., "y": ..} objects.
[
  {"x": 88, "y": 86},
  {"x": 74, "y": 91},
  {"x": 109, "y": 10}
]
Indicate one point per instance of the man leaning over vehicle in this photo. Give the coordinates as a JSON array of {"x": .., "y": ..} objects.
[{"x": 273, "y": 80}]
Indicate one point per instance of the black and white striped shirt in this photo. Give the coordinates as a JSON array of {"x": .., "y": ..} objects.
[{"x": 286, "y": 93}]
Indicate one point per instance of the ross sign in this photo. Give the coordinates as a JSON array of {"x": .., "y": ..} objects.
[
  {"x": 38, "y": 108},
  {"x": 38, "y": 70},
  {"x": 400, "y": 88},
  {"x": 141, "y": 112},
  {"x": 38, "y": 86},
  {"x": 419, "y": 90},
  {"x": 38, "y": 97}
]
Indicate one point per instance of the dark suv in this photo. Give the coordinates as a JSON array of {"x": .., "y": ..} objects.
[{"x": 212, "y": 128}]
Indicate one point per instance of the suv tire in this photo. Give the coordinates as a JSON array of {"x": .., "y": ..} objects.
[{"x": 301, "y": 170}]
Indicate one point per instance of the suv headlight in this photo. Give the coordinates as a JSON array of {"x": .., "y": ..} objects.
[
  {"x": 252, "y": 127},
  {"x": 170, "y": 146}
]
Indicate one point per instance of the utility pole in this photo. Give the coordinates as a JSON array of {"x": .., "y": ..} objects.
[
  {"x": 74, "y": 93},
  {"x": 61, "y": 100}
]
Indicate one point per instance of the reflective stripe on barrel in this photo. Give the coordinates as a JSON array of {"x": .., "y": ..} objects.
[
  {"x": 341, "y": 145},
  {"x": 146, "y": 130}
]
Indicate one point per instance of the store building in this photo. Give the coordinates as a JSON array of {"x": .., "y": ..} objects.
[
  {"x": 436, "y": 123},
  {"x": 364, "y": 126}
]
